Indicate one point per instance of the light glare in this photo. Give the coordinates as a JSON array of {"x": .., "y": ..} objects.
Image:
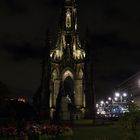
[
  {"x": 117, "y": 94},
  {"x": 124, "y": 94}
]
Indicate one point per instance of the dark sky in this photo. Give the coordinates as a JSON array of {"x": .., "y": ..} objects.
[{"x": 114, "y": 28}]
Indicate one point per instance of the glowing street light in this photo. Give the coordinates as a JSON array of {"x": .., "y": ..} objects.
[
  {"x": 116, "y": 99},
  {"x": 97, "y": 105},
  {"x": 124, "y": 94},
  {"x": 109, "y": 98},
  {"x": 117, "y": 94},
  {"x": 107, "y": 102},
  {"x": 102, "y": 102},
  {"x": 132, "y": 101}
]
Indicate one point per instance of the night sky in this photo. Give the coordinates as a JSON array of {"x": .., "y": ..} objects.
[{"x": 114, "y": 32}]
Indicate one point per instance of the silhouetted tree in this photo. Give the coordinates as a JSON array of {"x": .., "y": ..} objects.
[
  {"x": 58, "y": 104},
  {"x": 42, "y": 96}
]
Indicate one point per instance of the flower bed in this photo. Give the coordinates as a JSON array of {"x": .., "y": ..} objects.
[{"x": 35, "y": 132}]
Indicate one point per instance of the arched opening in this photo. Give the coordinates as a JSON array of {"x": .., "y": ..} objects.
[
  {"x": 65, "y": 98},
  {"x": 69, "y": 88},
  {"x": 68, "y": 85},
  {"x": 66, "y": 74}
]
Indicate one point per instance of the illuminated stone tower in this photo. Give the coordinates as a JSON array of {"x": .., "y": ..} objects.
[{"x": 67, "y": 68}]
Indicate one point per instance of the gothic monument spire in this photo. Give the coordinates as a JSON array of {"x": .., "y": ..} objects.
[{"x": 67, "y": 67}]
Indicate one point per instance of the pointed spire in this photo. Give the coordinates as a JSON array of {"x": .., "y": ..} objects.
[
  {"x": 69, "y": 1},
  {"x": 68, "y": 19}
]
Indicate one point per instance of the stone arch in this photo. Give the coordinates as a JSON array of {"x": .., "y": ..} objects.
[
  {"x": 67, "y": 72},
  {"x": 67, "y": 96}
]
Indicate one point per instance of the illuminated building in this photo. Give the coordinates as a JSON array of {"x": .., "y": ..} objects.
[
  {"x": 131, "y": 86},
  {"x": 67, "y": 67}
]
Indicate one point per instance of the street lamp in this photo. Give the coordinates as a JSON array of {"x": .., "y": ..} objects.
[
  {"x": 117, "y": 94},
  {"x": 110, "y": 100},
  {"x": 107, "y": 102},
  {"x": 115, "y": 98},
  {"x": 102, "y": 102},
  {"x": 124, "y": 94},
  {"x": 97, "y": 105},
  {"x": 132, "y": 101}
]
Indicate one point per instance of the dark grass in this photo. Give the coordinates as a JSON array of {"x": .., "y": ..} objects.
[
  {"x": 85, "y": 130},
  {"x": 107, "y": 132}
]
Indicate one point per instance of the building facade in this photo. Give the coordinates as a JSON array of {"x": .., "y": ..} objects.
[{"x": 131, "y": 86}]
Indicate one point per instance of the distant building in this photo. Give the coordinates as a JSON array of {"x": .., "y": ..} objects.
[{"x": 132, "y": 87}]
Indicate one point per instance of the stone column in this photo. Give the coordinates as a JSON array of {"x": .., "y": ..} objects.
[
  {"x": 78, "y": 93},
  {"x": 56, "y": 90}
]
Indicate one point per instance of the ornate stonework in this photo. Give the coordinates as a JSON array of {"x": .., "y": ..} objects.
[{"x": 67, "y": 67}]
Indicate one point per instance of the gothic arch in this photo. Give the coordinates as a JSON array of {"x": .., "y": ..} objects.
[{"x": 67, "y": 73}]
